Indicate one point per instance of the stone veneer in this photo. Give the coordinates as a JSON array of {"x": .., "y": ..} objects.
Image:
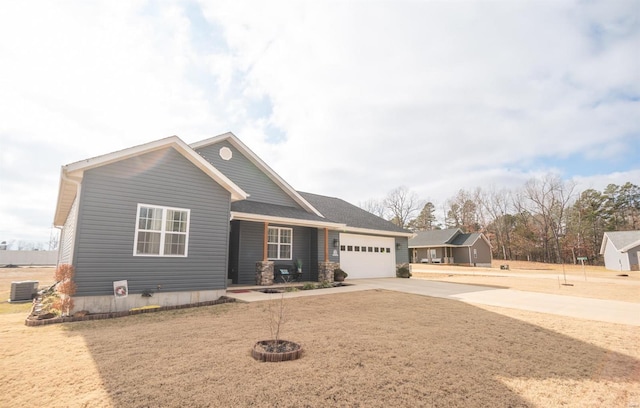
[
  {"x": 325, "y": 271},
  {"x": 264, "y": 273}
]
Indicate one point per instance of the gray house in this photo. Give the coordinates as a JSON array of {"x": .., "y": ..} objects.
[
  {"x": 184, "y": 221},
  {"x": 450, "y": 246},
  {"x": 621, "y": 250}
]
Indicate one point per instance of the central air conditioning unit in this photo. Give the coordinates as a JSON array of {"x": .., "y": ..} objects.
[{"x": 23, "y": 291}]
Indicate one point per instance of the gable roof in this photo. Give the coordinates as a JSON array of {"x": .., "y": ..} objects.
[
  {"x": 279, "y": 181},
  {"x": 434, "y": 238},
  {"x": 354, "y": 218},
  {"x": 71, "y": 174},
  {"x": 452, "y": 237},
  {"x": 622, "y": 241}
]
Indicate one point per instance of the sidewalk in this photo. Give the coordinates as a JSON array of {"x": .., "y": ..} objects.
[{"x": 584, "y": 308}]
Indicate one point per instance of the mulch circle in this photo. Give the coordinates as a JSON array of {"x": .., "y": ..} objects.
[{"x": 270, "y": 351}]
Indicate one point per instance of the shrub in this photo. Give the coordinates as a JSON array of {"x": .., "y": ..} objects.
[
  {"x": 65, "y": 288},
  {"x": 325, "y": 285},
  {"x": 309, "y": 286},
  {"x": 339, "y": 273},
  {"x": 403, "y": 272}
]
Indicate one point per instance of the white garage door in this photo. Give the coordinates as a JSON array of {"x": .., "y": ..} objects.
[{"x": 364, "y": 256}]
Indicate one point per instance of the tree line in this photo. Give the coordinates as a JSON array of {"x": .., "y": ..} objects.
[{"x": 546, "y": 220}]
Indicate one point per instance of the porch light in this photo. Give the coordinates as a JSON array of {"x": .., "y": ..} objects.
[
  {"x": 397, "y": 246},
  {"x": 335, "y": 242}
]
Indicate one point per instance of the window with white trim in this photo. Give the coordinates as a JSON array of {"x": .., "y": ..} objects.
[
  {"x": 279, "y": 243},
  {"x": 161, "y": 231}
]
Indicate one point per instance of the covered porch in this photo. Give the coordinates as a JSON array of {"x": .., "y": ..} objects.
[
  {"x": 267, "y": 250},
  {"x": 433, "y": 255}
]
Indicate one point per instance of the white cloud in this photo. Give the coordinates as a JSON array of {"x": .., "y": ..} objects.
[{"x": 436, "y": 96}]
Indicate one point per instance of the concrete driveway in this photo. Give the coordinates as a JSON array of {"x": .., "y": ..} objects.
[{"x": 584, "y": 308}]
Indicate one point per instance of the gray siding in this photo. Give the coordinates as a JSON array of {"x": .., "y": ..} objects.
[
  {"x": 250, "y": 251},
  {"x": 332, "y": 235},
  {"x": 246, "y": 175},
  {"x": 461, "y": 255},
  {"x": 251, "y": 247},
  {"x": 402, "y": 250},
  {"x": 106, "y": 226}
]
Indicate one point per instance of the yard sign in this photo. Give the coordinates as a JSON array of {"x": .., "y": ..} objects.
[{"x": 120, "y": 289}]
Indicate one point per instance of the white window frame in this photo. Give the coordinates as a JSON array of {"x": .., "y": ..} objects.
[
  {"x": 280, "y": 244},
  {"x": 162, "y": 231}
]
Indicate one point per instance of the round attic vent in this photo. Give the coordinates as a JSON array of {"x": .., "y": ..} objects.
[{"x": 226, "y": 153}]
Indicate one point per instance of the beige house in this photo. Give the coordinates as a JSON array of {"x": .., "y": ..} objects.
[{"x": 450, "y": 246}]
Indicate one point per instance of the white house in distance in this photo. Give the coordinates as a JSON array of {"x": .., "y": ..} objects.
[{"x": 621, "y": 250}]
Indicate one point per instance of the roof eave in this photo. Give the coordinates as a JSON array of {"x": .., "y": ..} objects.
[
  {"x": 378, "y": 232},
  {"x": 242, "y": 216},
  {"x": 631, "y": 245},
  {"x": 72, "y": 174}
]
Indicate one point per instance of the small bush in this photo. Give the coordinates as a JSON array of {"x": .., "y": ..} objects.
[
  {"x": 403, "y": 272},
  {"x": 309, "y": 286},
  {"x": 324, "y": 285},
  {"x": 291, "y": 289},
  {"x": 339, "y": 274}
]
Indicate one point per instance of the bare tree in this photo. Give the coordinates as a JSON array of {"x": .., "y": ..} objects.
[
  {"x": 549, "y": 198},
  {"x": 374, "y": 206},
  {"x": 498, "y": 206},
  {"x": 402, "y": 204},
  {"x": 464, "y": 211}
]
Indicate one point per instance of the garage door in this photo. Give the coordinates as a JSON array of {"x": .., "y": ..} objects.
[{"x": 365, "y": 256}]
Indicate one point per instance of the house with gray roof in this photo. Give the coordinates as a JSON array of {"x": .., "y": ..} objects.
[
  {"x": 182, "y": 222},
  {"x": 450, "y": 246},
  {"x": 621, "y": 250}
]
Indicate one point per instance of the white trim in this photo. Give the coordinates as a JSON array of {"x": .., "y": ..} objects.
[
  {"x": 163, "y": 232},
  {"x": 378, "y": 232},
  {"x": 73, "y": 172},
  {"x": 261, "y": 165},
  {"x": 279, "y": 244},
  {"x": 630, "y": 246},
  {"x": 282, "y": 220}
]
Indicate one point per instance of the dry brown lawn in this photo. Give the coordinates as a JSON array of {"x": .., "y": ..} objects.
[
  {"x": 594, "y": 282},
  {"x": 362, "y": 349}
]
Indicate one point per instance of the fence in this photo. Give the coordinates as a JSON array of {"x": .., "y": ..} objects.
[{"x": 27, "y": 258}]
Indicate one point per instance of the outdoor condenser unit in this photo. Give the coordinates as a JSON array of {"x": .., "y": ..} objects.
[{"x": 21, "y": 291}]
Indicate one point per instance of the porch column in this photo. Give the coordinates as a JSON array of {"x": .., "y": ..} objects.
[
  {"x": 264, "y": 268},
  {"x": 326, "y": 244}
]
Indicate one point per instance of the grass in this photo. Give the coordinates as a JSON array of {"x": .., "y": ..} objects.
[{"x": 362, "y": 349}]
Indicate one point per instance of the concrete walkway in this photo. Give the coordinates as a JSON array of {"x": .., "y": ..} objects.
[{"x": 583, "y": 308}]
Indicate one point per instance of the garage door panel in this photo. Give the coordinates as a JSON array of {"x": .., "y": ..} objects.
[{"x": 366, "y": 256}]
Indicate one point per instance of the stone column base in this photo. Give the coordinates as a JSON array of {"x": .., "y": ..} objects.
[
  {"x": 264, "y": 273},
  {"x": 325, "y": 271}
]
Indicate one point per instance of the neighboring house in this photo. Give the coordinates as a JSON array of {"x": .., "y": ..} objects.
[
  {"x": 450, "y": 246},
  {"x": 621, "y": 250},
  {"x": 184, "y": 221}
]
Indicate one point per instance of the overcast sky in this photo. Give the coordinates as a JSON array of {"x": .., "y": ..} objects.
[{"x": 348, "y": 98}]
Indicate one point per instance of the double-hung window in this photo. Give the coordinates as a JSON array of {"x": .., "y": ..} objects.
[
  {"x": 279, "y": 243},
  {"x": 161, "y": 231}
]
